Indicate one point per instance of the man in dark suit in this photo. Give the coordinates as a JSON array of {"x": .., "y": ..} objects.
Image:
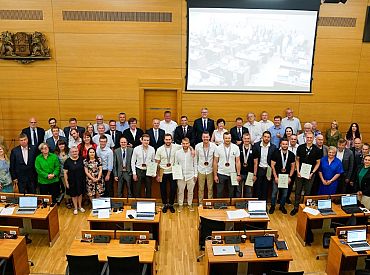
[
  {"x": 345, "y": 155},
  {"x": 238, "y": 131},
  {"x": 34, "y": 134},
  {"x": 122, "y": 167},
  {"x": 22, "y": 166},
  {"x": 203, "y": 124},
  {"x": 156, "y": 135},
  {"x": 133, "y": 134},
  {"x": 184, "y": 131},
  {"x": 265, "y": 149},
  {"x": 114, "y": 133},
  {"x": 52, "y": 141},
  {"x": 73, "y": 125}
]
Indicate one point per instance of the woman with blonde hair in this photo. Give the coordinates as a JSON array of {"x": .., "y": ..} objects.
[
  {"x": 332, "y": 134},
  {"x": 5, "y": 178}
]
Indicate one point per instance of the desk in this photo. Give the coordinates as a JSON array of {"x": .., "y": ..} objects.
[
  {"x": 146, "y": 252},
  {"x": 229, "y": 264},
  {"x": 123, "y": 222},
  {"x": 15, "y": 251},
  {"x": 305, "y": 220},
  {"x": 44, "y": 218}
]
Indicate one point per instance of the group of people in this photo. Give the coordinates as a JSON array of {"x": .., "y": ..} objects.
[{"x": 251, "y": 159}]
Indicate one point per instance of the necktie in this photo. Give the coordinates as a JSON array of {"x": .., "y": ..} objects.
[
  {"x": 204, "y": 125},
  {"x": 123, "y": 157},
  {"x": 113, "y": 137},
  {"x": 184, "y": 131},
  {"x": 156, "y": 135},
  {"x": 34, "y": 137},
  {"x": 239, "y": 133}
]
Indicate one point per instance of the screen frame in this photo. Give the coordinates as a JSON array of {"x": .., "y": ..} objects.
[{"x": 312, "y": 5}]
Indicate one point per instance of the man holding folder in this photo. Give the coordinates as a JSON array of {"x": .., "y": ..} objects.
[
  {"x": 282, "y": 166},
  {"x": 307, "y": 162}
]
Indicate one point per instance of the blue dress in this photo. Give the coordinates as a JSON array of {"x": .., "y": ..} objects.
[
  {"x": 5, "y": 179},
  {"x": 328, "y": 172}
]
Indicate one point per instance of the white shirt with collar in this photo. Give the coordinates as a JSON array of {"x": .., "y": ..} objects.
[
  {"x": 340, "y": 155},
  {"x": 169, "y": 127},
  {"x": 162, "y": 153},
  {"x": 74, "y": 143},
  {"x": 265, "y": 125},
  {"x": 25, "y": 154},
  {"x": 255, "y": 131},
  {"x": 49, "y": 134},
  {"x": 200, "y": 158},
  {"x": 293, "y": 149},
  {"x": 187, "y": 163},
  {"x": 294, "y": 123},
  {"x": 106, "y": 127},
  {"x": 233, "y": 152},
  {"x": 264, "y": 152},
  {"x": 140, "y": 157}
]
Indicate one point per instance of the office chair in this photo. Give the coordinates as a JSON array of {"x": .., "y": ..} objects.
[
  {"x": 130, "y": 265},
  {"x": 3, "y": 263},
  {"x": 365, "y": 271},
  {"x": 84, "y": 265},
  {"x": 275, "y": 272},
  {"x": 205, "y": 230}
]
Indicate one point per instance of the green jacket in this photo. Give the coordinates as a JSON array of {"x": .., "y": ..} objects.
[{"x": 47, "y": 166}]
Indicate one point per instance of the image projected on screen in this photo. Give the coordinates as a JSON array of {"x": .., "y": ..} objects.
[{"x": 250, "y": 49}]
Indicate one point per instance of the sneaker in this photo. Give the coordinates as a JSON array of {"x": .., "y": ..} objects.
[
  {"x": 172, "y": 209},
  {"x": 82, "y": 210},
  {"x": 75, "y": 212},
  {"x": 191, "y": 208},
  {"x": 179, "y": 209},
  {"x": 282, "y": 209},
  {"x": 165, "y": 208},
  {"x": 293, "y": 212},
  {"x": 272, "y": 209}
]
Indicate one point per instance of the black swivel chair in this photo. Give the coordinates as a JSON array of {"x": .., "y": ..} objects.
[
  {"x": 130, "y": 265},
  {"x": 84, "y": 265},
  {"x": 365, "y": 271},
  {"x": 205, "y": 230},
  {"x": 274, "y": 272},
  {"x": 3, "y": 263}
]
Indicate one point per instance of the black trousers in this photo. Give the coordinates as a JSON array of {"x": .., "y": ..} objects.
[
  {"x": 261, "y": 183},
  {"x": 50, "y": 189},
  {"x": 108, "y": 184},
  {"x": 173, "y": 188},
  {"x": 142, "y": 177}
]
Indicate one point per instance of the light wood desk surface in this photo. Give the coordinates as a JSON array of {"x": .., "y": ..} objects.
[
  {"x": 221, "y": 215},
  {"x": 15, "y": 250},
  {"x": 121, "y": 217}
]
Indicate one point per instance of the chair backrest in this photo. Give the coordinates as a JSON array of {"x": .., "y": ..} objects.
[
  {"x": 130, "y": 265},
  {"x": 83, "y": 265},
  {"x": 206, "y": 228},
  {"x": 274, "y": 272}
]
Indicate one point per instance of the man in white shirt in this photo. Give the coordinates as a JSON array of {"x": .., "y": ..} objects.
[
  {"x": 186, "y": 160},
  {"x": 168, "y": 125},
  {"x": 265, "y": 122},
  {"x": 101, "y": 132},
  {"x": 293, "y": 144},
  {"x": 106, "y": 156},
  {"x": 52, "y": 123},
  {"x": 100, "y": 121},
  {"x": 204, "y": 152},
  {"x": 142, "y": 156},
  {"x": 254, "y": 128},
  {"x": 291, "y": 121},
  {"x": 165, "y": 157},
  {"x": 307, "y": 128},
  {"x": 226, "y": 163},
  {"x": 292, "y": 148},
  {"x": 122, "y": 124},
  {"x": 75, "y": 140}
]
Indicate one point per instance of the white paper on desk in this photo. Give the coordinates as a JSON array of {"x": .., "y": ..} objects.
[
  {"x": 7, "y": 211},
  {"x": 234, "y": 181},
  {"x": 237, "y": 214},
  {"x": 103, "y": 213},
  {"x": 268, "y": 173},
  {"x": 177, "y": 172},
  {"x": 305, "y": 170},
  {"x": 151, "y": 169},
  {"x": 283, "y": 181},
  {"x": 249, "y": 180},
  {"x": 311, "y": 211},
  {"x": 130, "y": 212}
]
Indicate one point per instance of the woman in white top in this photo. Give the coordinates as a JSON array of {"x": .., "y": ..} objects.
[{"x": 218, "y": 134}]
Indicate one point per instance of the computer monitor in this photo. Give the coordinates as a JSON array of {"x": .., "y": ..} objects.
[
  {"x": 145, "y": 206},
  {"x": 256, "y": 205},
  {"x": 349, "y": 200},
  {"x": 263, "y": 242},
  {"x": 324, "y": 204},
  {"x": 101, "y": 203},
  {"x": 357, "y": 235},
  {"x": 27, "y": 202}
]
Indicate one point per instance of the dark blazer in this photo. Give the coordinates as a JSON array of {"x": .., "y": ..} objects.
[
  {"x": 160, "y": 141},
  {"x": 117, "y": 161},
  {"x": 198, "y": 129},
  {"x": 130, "y": 139},
  {"x": 80, "y": 130},
  {"x": 18, "y": 168},
  {"x": 179, "y": 135},
  {"x": 347, "y": 163},
  {"x": 234, "y": 134},
  {"x": 40, "y": 135},
  {"x": 118, "y": 135},
  {"x": 272, "y": 148},
  {"x": 365, "y": 183},
  {"x": 50, "y": 142}
]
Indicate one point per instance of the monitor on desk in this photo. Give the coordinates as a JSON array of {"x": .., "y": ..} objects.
[
  {"x": 145, "y": 207},
  {"x": 357, "y": 235},
  {"x": 324, "y": 204},
  {"x": 349, "y": 200},
  {"x": 257, "y": 206},
  {"x": 27, "y": 202},
  {"x": 101, "y": 203}
]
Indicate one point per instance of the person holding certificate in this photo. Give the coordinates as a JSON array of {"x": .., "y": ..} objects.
[
  {"x": 142, "y": 156},
  {"x": 204, "y": 152},
  {"x": 330, "y": 170},
  {"x": 282, "y": 166},
  {"x": 226, "y": 166},
  {"x": 307, "y": 162},
  {"x": 165, "y": 157},
  {"x": 249, "y": 165},
  {"x": 185, "y": 159}
]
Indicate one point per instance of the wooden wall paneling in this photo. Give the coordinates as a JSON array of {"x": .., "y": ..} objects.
[
  {"x": 363, "y": 88},
  {"x": 365, "y": 58},
  {"x": 325, "y": 111},
  {"x": 114, "y": 50},
  {"x": 360, "y": 111}
]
